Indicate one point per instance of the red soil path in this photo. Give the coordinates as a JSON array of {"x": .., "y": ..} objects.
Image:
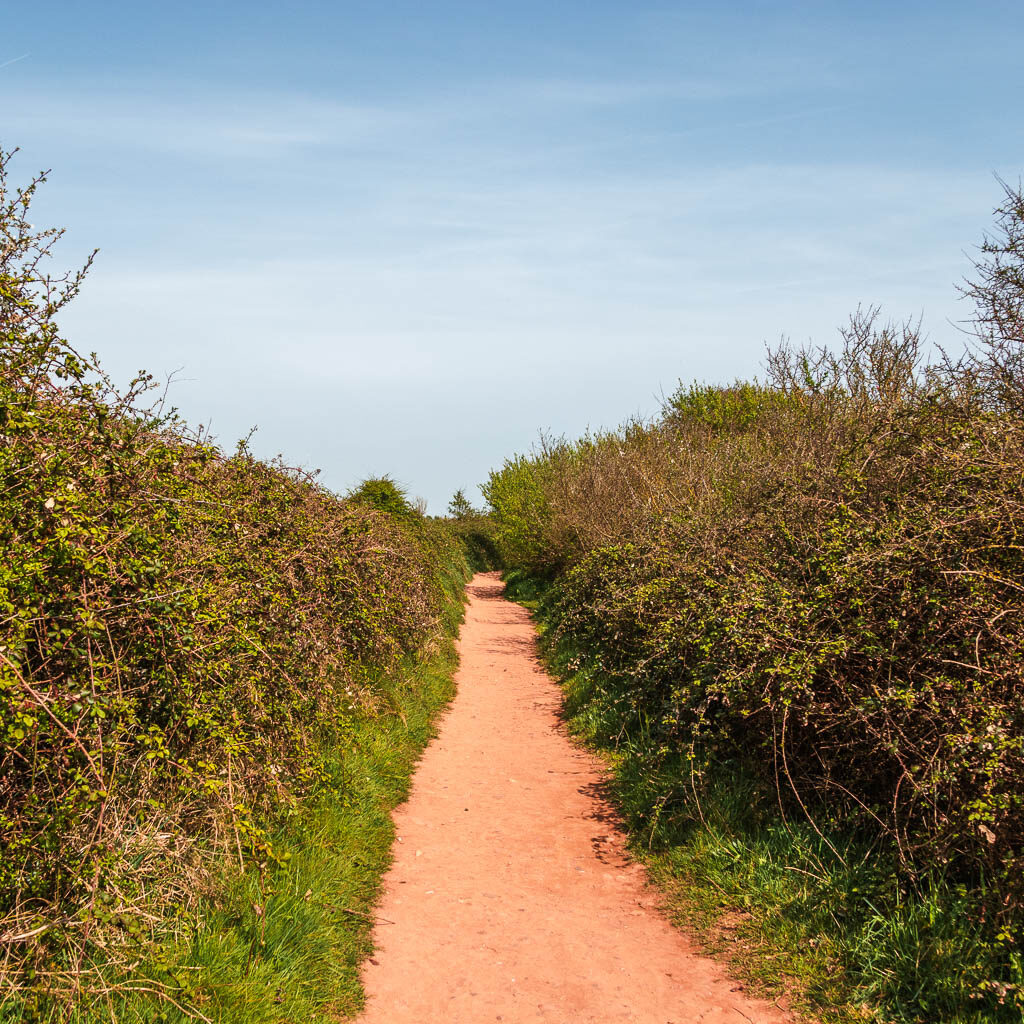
[{"x": 511, "y": 897}]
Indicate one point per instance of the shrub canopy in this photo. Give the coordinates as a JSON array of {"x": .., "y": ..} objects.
[
  {"x": 819, "y": 577},
  {"x": 183, "y": 634}
]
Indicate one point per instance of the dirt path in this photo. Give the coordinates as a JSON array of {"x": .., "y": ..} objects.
[{"x": 511, "y": 898}]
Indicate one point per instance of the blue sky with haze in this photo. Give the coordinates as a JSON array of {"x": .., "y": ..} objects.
[{"x": 404, "y": 237}]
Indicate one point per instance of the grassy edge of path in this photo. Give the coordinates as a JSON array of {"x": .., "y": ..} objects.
[{"x": 287, "y": 944}]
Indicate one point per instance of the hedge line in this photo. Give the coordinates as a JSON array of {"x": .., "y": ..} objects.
[
  {"x": 184, "y": 637},
  {"x": 818, "y": 580}
]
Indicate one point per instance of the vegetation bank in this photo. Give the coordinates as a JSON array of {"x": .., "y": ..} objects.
[{"x": 791, "y": 610}]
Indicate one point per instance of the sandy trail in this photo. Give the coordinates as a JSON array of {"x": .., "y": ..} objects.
[{"x": 511, "y": 897}]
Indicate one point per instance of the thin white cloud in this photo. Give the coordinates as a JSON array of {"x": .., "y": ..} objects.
[
  {"x": 14, "y": 60},
  {"x": 608, "y": 92},
  {"x": 224, "y": 125}
]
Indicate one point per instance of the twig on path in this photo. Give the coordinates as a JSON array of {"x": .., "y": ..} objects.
[
  {"x": 357, "y": 913},
  {"x": 369, "y": 917}
]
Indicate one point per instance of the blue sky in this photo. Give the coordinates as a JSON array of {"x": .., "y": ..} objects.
[{"x": 404, "y": 237}]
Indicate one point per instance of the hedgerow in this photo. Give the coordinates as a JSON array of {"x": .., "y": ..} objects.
[
  {"x": 185, "y": 636},
  {"x": 818, "y": 582},
  {"x": 475, "y": 531}
]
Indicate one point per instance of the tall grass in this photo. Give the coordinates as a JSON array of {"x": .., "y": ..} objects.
[{"x": 808, "y": 590}]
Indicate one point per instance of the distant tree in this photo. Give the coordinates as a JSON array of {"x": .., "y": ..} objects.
[
  {"x": 383, "y": 494},
  {"x": 459, "y": 507},
  {"x": 997, "y": 290}
]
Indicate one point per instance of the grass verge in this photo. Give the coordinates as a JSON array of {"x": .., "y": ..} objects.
[{"x": 286, "y": 944}]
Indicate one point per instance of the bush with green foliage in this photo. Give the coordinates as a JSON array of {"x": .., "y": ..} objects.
[
  {"x": 816, "y": 582},
  {"x": 185, "y": 638},
  {"x": 384, "y": 495},
  {"x": 476, "y": 531}
]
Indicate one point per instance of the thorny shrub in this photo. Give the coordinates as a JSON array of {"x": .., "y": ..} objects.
[
  {"x": 820, "y": 577},
  {"x": 181, "y": 632}
]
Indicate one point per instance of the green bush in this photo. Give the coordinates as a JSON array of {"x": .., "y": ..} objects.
[
  {"x": 476, "y": 532},
  {"x": 384, "y": 495},
  {"x": 184, "y": 636},
  {"x": 816, "y": 582}
]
